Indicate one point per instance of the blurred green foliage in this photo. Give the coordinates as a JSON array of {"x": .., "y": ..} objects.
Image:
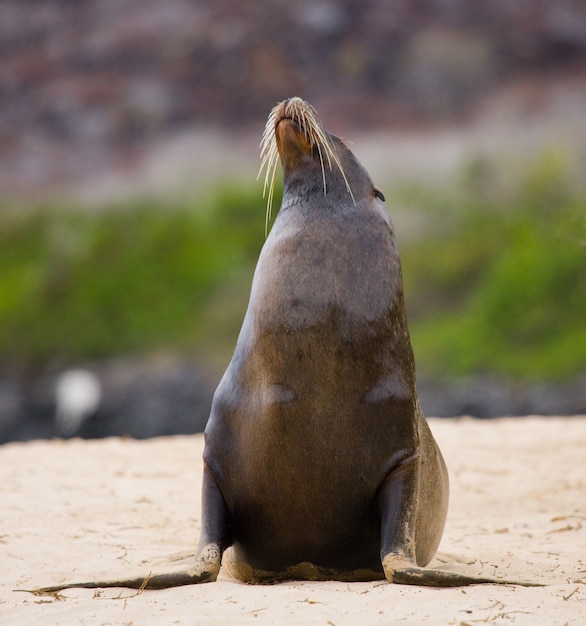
[
  {"x": 498, "y": 283},
  {"x": 495, "y": 275},
  {"x": 76, "y": 284}
]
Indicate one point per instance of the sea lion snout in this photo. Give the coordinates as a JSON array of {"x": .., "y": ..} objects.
[
  {"x": 294, "y": 134},
  {"x": 292, "y": 142}
]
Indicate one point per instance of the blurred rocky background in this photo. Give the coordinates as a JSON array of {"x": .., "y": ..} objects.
[{"x": 130, "y": 219}]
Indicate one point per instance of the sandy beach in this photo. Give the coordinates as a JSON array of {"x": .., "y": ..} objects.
[{"x": 79, "y": 510}]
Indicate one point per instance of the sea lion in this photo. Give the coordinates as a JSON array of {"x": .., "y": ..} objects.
[
  {"x": 316, "y": 442},
  {"x": 318, "y": 461}
]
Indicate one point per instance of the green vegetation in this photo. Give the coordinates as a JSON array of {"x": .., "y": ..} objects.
[
  {"x": 499, "y": 283},
  {"x": 495, "y": 276},
  {"x": 136, "y": 277}
]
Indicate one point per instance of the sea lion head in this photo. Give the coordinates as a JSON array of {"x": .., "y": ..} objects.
[{"x": 313, "y": 159}]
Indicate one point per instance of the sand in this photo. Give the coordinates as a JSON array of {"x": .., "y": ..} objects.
[{"x": 78, "y": 510}]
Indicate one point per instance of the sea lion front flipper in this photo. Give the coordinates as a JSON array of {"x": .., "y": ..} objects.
[
  {"x": 397, "y": 505},
  {"x": 216, "y": 528}
]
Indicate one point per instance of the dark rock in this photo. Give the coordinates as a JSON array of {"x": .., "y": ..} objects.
[
  {"x": 138, "y": 399},
  {"x": 488, "y": 396}
]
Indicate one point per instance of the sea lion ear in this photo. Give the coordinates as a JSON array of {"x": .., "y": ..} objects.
[{"x": 378, "y": 194}]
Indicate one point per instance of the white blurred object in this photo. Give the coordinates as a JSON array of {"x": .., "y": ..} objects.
[{"x": 78, "y": 393}]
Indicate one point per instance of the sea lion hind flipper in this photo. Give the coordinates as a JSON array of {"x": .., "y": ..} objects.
[
  {"x": 215, "y": 538},
  {"x": 165, "y": 580},
  {"x": 204, "y": 570},
  {"x": 439, "y": 578}
]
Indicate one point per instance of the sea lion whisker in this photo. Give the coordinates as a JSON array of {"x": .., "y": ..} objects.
[
  {"x": 320, "y": 137},
  {"x": 303, "y": 123},
  {"x": 323, "y": 170},
  {"x": 269, "y": 160},
  {"x": 270, "y": 198},
  {"x": 269, "y": 130},
  {"x": 332, "y": 155},
  {"x": 337, "y": 161},
  {"x": 269, "y": 156},
  {"x": 268, "y": 147}
]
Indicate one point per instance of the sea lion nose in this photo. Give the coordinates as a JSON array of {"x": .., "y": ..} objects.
[{"x": 294, "y": 100}]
